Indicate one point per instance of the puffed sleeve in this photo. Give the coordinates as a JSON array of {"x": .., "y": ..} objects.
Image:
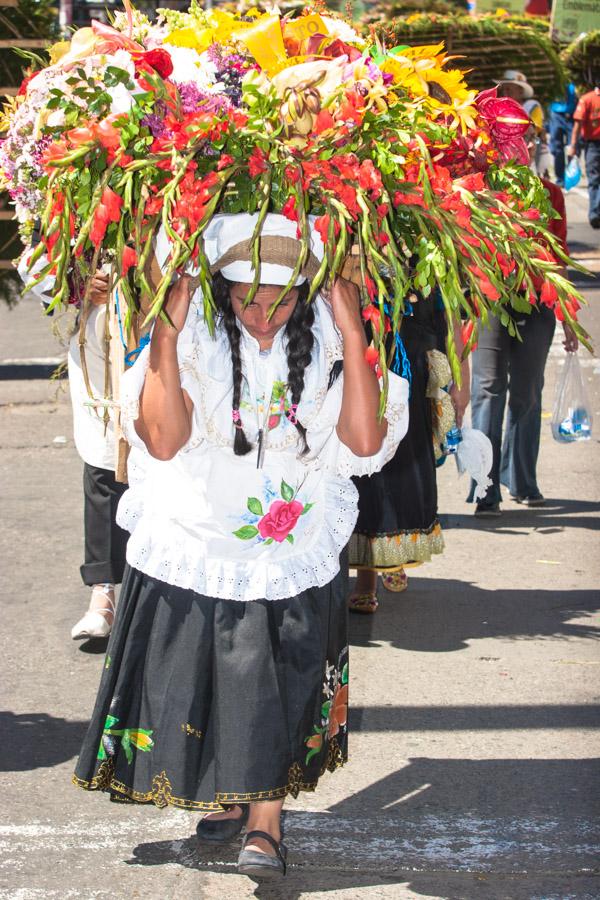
[
  {"x": 333, "y": 455},
  {"x": 132, "y": 383}
]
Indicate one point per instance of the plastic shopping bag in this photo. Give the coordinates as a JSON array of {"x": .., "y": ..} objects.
[
  {"x": 572, "y": 174},
  {"x": 572, "y": 415}
]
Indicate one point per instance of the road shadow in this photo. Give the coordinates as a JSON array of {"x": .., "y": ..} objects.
[
  {"x": 556, "y": 515},
  {"x": 438, "y": 615},
  {"x": 496, "y": 816},
  {"x": 37, "y": 740}
]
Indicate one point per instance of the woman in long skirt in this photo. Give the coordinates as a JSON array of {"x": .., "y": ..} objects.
[{"x": 226, "y": 680}]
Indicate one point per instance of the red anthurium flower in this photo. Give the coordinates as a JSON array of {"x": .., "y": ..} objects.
[
  {"x": 371, "y": 287},
  {"x": 107, "y": 135},
  {"x": 128, "y": 260},
  {"x": 507, "y": 121}
]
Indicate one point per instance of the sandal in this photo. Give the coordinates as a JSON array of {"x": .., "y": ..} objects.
[
  {"x": 395, "y": 581},
  {"x": 94, "y": 624},
  {"x": 262, "y": 865},
  {"x": 366, "y": 604}
]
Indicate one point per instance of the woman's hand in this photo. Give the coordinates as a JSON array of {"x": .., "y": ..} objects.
[
  {"x": 461, "y": 397},
  {"x": 571, "y": 341},
  {"x": 345, "y": 303},
  {"x": 176, "y": 306},
  {"x": 98, "y": 294}
]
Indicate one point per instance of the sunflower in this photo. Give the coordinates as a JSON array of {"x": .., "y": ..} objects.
[{"x": 418, "y": 70}]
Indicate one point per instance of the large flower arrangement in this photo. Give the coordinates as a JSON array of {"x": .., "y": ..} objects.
[{"x": 143, "y": 126}]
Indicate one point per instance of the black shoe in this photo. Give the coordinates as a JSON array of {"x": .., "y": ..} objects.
[
  {"x": 222, "y": 830},
  {"x": 534, "y": 500},
  {"x": 490, "y": 510},
  {"x": 261, "y": 865},
  {"x": 595, "y": 222}
]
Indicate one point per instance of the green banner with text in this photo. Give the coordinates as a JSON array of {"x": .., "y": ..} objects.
[{"x": 570, "y": 18}]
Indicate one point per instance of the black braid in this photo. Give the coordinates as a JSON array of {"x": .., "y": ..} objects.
[
  {"x": 299, "y": 351},
  {"x": 220, "y": 288}
]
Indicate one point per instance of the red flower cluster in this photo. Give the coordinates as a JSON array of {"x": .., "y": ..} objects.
[{"x": 107, "y": 211}]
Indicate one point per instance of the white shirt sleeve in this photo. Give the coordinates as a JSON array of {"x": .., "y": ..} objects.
[
  {"x": 133, "y": 380},
  {"x": 334, "y": 456}
]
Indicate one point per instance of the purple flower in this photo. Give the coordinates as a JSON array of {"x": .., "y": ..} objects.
[
  {"x": 155, "y": 123},
  {"x": 192, "y": 98}
]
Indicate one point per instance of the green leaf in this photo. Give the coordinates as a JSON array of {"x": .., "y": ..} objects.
[
  {"x": 345, "y": 674},
  {"x": 325, "y": 710},
  {"x": 307, "y": 506},
  {"x": 290, "y": 538},
  {"x": 269, "y": 541},
  {"x": 246, "y": 533},
  {"x": 255, "y": 506},
  {"x": 286, "y": 491}
]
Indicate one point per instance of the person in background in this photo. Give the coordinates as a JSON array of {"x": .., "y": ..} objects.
[
  {"x": 512, "y": 368},
  {"x": 560, "y": 128},
  {"x": 105, "y": 542},
  {"x": 587, "y": 128}
]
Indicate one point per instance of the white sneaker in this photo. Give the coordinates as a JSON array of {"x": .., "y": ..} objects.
[{"x": 94, "y": 623}]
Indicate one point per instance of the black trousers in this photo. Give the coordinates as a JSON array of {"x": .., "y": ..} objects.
[
  {"x": 504, "y": 366},
  {"x": 105, "y": 542}
]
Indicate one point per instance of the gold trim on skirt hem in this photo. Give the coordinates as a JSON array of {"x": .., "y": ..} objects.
[
  {"x": 161, "y": 794},
  {"x": 389, "y": 552}
]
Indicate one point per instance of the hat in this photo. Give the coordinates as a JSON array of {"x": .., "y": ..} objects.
[
  {"x": 228, "y": 241},
  {"x": 512, "y": 76}
]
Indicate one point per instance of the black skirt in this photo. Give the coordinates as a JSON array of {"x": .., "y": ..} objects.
[
  {"x": 397, "y": 522},
  {"x": 207, "y": 702}
]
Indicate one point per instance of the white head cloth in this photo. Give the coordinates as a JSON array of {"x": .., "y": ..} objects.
[{"x": 226, "y": 232}]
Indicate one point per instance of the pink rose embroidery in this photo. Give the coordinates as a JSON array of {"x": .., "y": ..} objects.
[{"x": 280, "y": 520}]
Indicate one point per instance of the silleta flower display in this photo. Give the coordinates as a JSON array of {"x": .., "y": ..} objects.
[{"x": 402, "y": 169}]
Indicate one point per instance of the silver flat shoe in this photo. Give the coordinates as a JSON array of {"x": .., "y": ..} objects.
[{"x": 261, "y": 866}]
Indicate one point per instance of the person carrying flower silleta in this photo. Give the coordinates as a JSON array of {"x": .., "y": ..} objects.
[{"x": 226, "y": 682}]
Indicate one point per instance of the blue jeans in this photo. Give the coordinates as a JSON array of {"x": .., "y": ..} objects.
[
  {"x": 592, "y": 168},
  {"x": 504, "y": 366},
  {"x": 560, "y": 127}
]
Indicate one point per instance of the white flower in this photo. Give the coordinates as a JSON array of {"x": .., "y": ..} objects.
[
  {"x": 188, "y": 65},
  {"x": 121, "y": 59},
  {"x": 121, "y": 99},
  {"x": 340, "y": 29}
]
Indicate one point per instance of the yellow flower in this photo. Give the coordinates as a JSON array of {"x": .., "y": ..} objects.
[
  {"x": 141, "y": 739},
  {"x": 418, "y": 70}
]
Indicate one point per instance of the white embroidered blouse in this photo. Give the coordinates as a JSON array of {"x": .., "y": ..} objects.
[{"x": 217, "y": 524}]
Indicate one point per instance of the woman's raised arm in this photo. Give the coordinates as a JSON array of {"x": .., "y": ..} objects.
[
  {"x": 165, "y": 418},
  {"x": 358, "y": 426}
]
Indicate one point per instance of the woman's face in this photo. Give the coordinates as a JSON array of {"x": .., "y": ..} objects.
[{"x": 255, "y": 316}]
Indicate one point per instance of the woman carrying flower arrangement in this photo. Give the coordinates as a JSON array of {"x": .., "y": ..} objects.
[{"x": 226, "y": 682}]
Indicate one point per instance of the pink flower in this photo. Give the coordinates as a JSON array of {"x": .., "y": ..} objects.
[{"x": 280, "y": 520}]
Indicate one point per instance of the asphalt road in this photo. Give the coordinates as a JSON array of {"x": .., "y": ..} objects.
[{"x": 475, "y": 695}]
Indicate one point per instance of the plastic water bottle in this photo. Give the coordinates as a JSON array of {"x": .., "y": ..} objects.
[
  {"x": 575, "y": 427},
  {"x": 453, "y": 439}
]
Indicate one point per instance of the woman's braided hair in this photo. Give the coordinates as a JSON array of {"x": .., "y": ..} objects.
[{"x": 299, "y": 354}]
